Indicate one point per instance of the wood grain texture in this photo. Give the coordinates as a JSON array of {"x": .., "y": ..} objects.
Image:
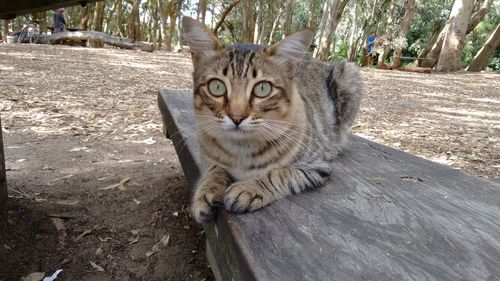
[
  {"x": 3, "y": 179},
  {"x": 386, "y": 215}
]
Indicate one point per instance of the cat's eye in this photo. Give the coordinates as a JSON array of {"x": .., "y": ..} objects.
[
  {"x": 262, "y": 89},
  {"x": 216, "y": 87}
]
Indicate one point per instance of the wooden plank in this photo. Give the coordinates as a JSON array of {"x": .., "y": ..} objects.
[
  {"x": 386, "y": 215},
  {"x": 3, "y": 178},
  {"x": 11, "y": 9}
]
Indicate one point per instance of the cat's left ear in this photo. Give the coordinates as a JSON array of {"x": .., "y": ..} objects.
[
  {"x": 291, "y": 50},
  {"x": 198, "y": 38}
]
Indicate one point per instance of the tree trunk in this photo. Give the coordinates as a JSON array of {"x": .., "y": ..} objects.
[
  {"x": 435, "y": 52},
  {"x": 171, "y": 28},
  {"x": 485, "y": 52},
  {"x": 119, "y": 19},
  {"x": 5, "y": 24},
  {"x": 98, "y": 22},
  {"x": 432, "y": 40},
  {"x": 134, "y": 25},
  {"x": 110, "y": 16},
  {"x": 42, "y": 18},
  {"x": 258, "y": 24},
  {"x": 479, "y": 15},
  {"x": 202, "y": 10},
  {"x": 178, "y": 46},
  {"x": 451, "y": 53},
  {"x": 325, "y": 41},
  {"x": 276, "y": 21},
  {"x": 90, "y": 23},
  {"x": 311, "y": 20},
  {"x": 287, "y": 25},
  {"x": 224, "y": 15},
  {"x": 84, "y": 22},
  {"x": 404, "y": 27},
  {"x": 352, "y": 48},
  {"x": 248, "y": 21},
  {"x": 100, "y": 36},
  {"x": 388, "y": 29}
]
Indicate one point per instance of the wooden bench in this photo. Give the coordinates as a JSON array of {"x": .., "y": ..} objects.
[
  {"x": 3, "y": 180},
  {"x": 386, "y": 215}
]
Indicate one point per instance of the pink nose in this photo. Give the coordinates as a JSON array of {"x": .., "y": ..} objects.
[{"x": 237, "y": 119}]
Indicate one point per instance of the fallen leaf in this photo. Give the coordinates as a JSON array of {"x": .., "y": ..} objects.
[
  {"x": 97, "y": 267},
  {"x": 35, "y": 276},
  {"x": 99, "y": 251},
  {"x": 58, "y": 179},
  {"x": 113, "y": 186},
  {"x": 148, "y": 141},
  {"x": 160, "y": 244},
  {"x": 86, "y": 232},
  {"x": 137, "y": 202},
  {"x": 75, "y": 149},
  {"x": 104, "y": 239},
  {"x": 48, "y": 168}
]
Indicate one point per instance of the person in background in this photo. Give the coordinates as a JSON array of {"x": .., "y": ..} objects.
[
  {"x": 58, "y": 20},
  {"x": 371, "y": 42}
]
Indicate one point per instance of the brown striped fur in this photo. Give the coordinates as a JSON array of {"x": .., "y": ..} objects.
[{"x": 258, "y": 150}]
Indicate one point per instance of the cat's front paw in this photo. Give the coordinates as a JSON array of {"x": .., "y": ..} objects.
[
  {"x": 245, "y": 196},
  {"x": 204, "y": 202}
]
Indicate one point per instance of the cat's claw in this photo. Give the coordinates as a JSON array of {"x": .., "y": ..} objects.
[{"x": 243, "y": 197}]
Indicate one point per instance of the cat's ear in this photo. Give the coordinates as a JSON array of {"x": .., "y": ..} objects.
[
  {"x": 291, "y": 50},
  {"x": 198, "y": 38}
]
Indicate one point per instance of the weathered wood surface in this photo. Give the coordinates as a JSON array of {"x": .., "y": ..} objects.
[
  {"x": 386, "y": 215},
  {"x": 95, "y": 35},
  {"x": 11, "y": 9},
  {"x": 3, "y": 180}
]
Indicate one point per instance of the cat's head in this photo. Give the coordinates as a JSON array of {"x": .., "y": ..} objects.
[{"x": 243, "y": 90}]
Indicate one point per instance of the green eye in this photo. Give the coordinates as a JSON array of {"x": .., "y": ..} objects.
[
  {"x": 262, "y": 89},
  {"x": 216, "y": 87}
]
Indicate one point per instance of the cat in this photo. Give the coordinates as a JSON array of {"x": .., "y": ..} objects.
[{"x": 270, "y": 120}]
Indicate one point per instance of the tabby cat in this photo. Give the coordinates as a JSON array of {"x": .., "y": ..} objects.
[{"x": 270, "y": 120}]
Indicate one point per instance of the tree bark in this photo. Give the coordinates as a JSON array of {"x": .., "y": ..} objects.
[
  {"x": 95, "y": 35},
  {"x": 276, "y": 21},
  {"x": 178, "y": 46},
  {"x": 5, "y": 24},
  {"x": 451, "y": 52},
  {"x": 485, "y": 52},
  {"x": 109, "y": 19},
  {"x": 287, "y": 25},
  {"x": 84, "y": 22},
  {"x": 224, "y": 15},
  {"x": 390, "y": 19},
  {"x": 325, "y": 41},
  {"x": 257, "y": 30},
  {"x": 119, "y": 19},
  {"x": 248, "y": 21},
  {"x": 311, "y": 20},
  {"x": 435, "y": 52},
  {"x": 410, "y": 8},
  {"x": 202, "y": 10},
  {"x": 479, "y": 15},
  {"x": 432, "y": 40},
  {"x": 134, "y": 25},
  {"x": 173, "y": 20},
  {"x": 163, "y": 18},
  {"x": 98, "y": 22}
]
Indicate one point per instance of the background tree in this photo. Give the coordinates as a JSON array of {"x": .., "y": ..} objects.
[{"x": 453, "y": 42}]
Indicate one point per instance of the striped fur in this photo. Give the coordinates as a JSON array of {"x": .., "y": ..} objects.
[{"x": 259, "y": 150}]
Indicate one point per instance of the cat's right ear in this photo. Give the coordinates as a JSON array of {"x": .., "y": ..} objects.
[{"x": 198, "y": 38}]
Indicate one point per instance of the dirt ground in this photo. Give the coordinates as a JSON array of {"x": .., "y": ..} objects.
[{"x": 97, "y": 190}]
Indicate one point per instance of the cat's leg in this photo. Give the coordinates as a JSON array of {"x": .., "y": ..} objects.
[
  {"x": 209, "y": 193},
  {"x": 255, "y": 193}
]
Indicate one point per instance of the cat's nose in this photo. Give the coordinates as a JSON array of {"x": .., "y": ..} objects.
[{"x": 237, "y": 119}]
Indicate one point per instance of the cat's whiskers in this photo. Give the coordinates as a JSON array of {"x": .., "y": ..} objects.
[{"x": 287, "y": 135}]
